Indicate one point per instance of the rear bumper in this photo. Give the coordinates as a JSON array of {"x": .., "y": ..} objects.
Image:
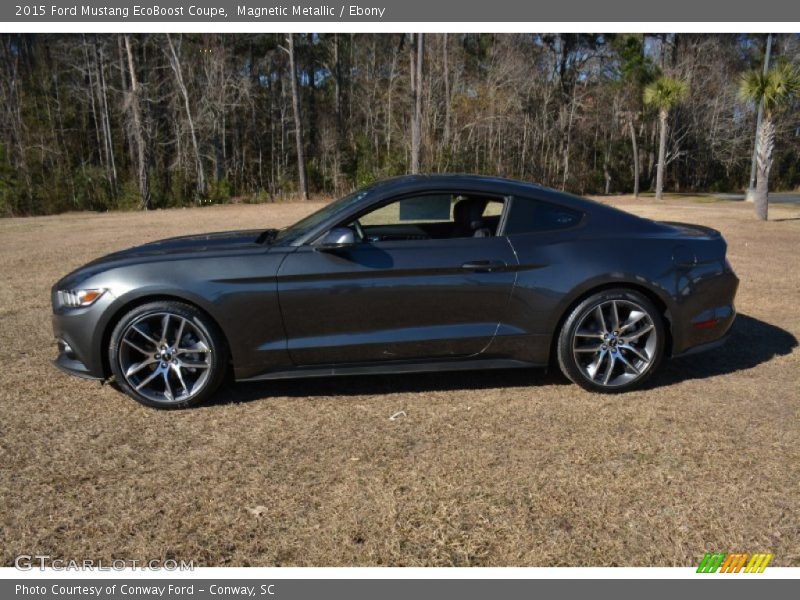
[
  {"x": 704, "y": 314},
  {"x": 704, "y": 347}
]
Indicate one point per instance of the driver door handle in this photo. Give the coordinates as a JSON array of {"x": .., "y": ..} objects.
[{"x": 484, "y": 266}]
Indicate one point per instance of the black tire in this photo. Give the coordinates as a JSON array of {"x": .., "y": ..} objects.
[
  {"x": 199, "y": 328},
  {"x": 572, "y": 345}
]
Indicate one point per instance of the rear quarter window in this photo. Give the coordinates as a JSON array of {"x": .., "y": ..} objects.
[{"x": 528, "y": 216}]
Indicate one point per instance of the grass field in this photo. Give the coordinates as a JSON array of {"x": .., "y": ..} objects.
[{"x": 495, "y": 468}]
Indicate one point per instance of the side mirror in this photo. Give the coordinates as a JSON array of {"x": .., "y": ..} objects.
[{"x": 337, "y": 238}]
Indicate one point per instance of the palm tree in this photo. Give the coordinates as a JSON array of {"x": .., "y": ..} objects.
[
  {"x": 775, "y": 88},
  {"x": 663, "y": 94}
]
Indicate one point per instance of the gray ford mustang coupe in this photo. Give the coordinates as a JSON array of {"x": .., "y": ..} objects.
[{"x": 419, "y": 273}]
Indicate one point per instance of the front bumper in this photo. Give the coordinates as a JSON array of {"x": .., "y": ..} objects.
[
  {"x": 73, "y": 366},
  {"x": 78, "y": 333}
]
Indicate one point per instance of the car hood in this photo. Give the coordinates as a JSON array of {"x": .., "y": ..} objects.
[
  {"x": 206, "y": 242},
  {"x": 176, "y": 247}
]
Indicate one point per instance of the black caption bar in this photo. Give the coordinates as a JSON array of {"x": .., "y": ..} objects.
[
  {"x": 385, "y": 589},
  {"x": 267, "y": 11}
]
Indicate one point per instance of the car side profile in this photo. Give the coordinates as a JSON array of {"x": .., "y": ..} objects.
[{"x": 417, "y": 273}]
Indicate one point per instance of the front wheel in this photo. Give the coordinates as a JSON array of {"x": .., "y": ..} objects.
[
  {"x": 612, "y": 341},
  {"x": 167, "y": 355}
]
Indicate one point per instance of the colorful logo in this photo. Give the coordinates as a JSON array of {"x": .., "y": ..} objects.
[{"x": 734, "y": 563}]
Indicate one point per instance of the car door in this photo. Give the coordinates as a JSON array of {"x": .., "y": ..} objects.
[{"x": 390, "y": 299}]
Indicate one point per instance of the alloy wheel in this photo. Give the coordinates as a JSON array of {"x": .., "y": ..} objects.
[
  {"x": 615, "y": 343},
  {"x": 165, "y": 357}
]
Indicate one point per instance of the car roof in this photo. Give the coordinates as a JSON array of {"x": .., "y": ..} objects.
[
  {"x": 385, "y": 189},
  {"x": 438, "y": 180},
  {"x": 488, "y": 184}
]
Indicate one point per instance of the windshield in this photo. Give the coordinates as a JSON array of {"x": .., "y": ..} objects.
[{"x": 293, "y": 232}]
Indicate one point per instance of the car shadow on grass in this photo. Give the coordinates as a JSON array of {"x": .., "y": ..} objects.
[
  {"x": 751, "y": 343},
  {"x": 370, "y": 385}
]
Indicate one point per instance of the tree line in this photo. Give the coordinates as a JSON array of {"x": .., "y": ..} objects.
[{"x": 106, "y": 121}]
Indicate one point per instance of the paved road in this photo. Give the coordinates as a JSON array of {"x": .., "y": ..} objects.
[{"x": 778, "y": 198}]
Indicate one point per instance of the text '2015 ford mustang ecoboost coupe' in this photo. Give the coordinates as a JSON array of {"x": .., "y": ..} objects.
[{"x": 418, "y": 273}]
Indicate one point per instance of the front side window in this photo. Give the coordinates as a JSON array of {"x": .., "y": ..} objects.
[
  {"x": 432, "y": 216},
  {"x": 528, "y": 216},
  {"x": 291, "y": 233}
]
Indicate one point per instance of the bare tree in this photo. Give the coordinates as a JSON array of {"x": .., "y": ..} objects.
[
  {"x": 103, "y": 91},
  {"x": 416, "y": 92},
  {"x": 298, "y": 123},
  {"x": 175, "y": 63},
  {"x": 635, "y": 153},
  {"x": 390, "y": 93},
  {"x": 336, "y": 69},
  {"x": 446, "y": 77},
  {"x": 137, "y": 125}
]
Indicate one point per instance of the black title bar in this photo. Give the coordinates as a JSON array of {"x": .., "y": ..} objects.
[{"x": 215, "y": 11}]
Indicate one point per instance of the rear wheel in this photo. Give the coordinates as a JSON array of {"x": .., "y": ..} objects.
[
  {"x": 167, "y": 355},
  {"x": 612, "y": 341}
]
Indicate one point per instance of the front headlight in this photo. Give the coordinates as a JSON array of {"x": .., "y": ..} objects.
[{"x": 79, "y": 298}]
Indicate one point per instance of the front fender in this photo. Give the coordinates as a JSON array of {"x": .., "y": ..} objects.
[{"x": 239, "y": 293}]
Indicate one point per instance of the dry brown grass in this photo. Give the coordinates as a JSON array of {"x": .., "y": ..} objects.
[{"x": 496, "y": 468}]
